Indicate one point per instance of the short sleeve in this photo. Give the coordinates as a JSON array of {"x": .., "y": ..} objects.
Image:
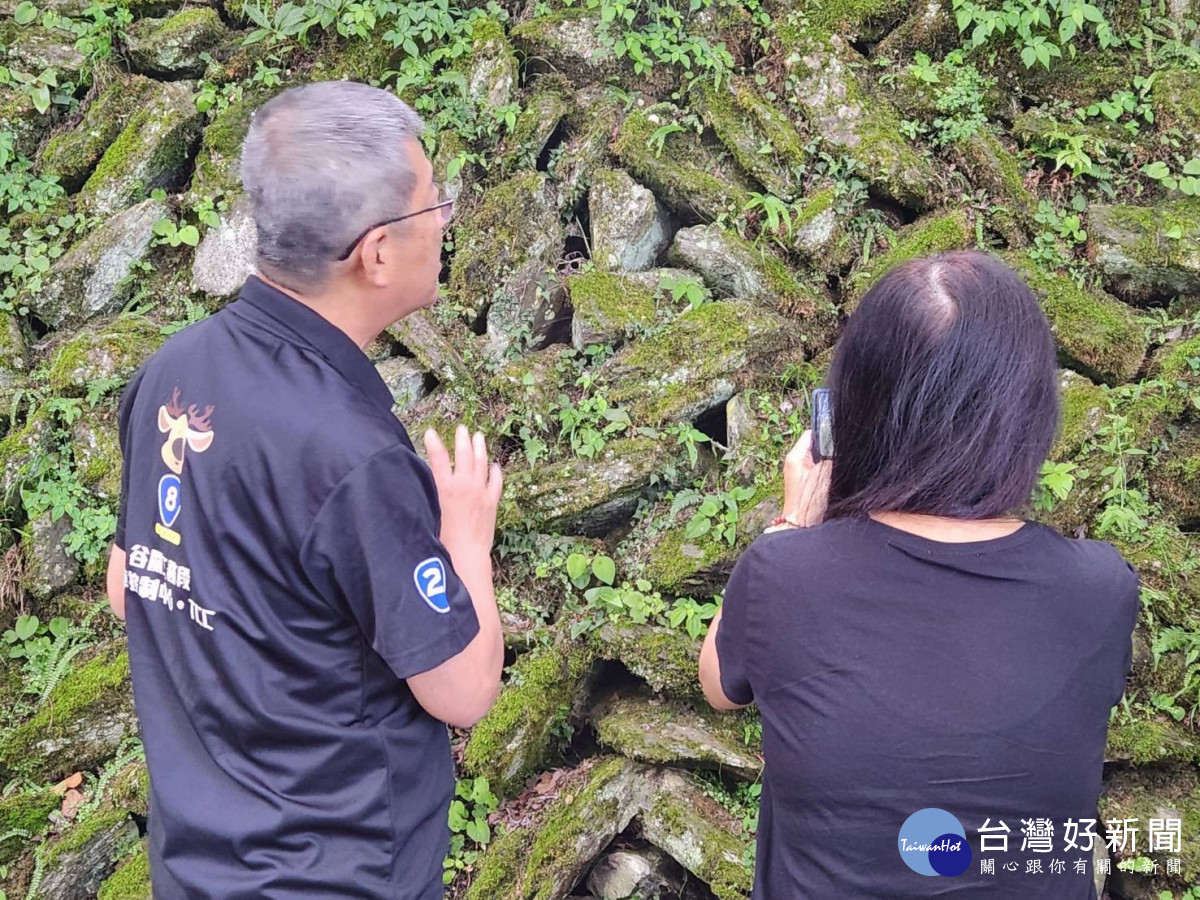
[
  {"x": 373, "y": 548},
  {"x": 731, "y": 644},
  {"x": 124, "y": 414}
]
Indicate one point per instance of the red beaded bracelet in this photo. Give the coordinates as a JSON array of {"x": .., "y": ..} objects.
[{"x": 785, "y": 520}]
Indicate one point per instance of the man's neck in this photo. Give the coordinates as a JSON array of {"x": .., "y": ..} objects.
[{"x": 347, "y": 317}]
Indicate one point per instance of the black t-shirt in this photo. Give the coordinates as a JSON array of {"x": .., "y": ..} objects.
[
  {"x": 284, "y": 577},
  {"x": 896, "y": 674}
]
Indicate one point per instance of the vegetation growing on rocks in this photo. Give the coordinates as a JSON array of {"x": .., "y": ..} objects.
[{"x": 781, "y": 157}]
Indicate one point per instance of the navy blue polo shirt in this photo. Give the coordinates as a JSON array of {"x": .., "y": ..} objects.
[{"x": 284, "y": 578}]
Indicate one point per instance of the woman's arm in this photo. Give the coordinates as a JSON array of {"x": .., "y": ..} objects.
[{"x": 710, "y": 670}]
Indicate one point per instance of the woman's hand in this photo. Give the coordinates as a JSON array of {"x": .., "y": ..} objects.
[{"x": 805, "y": 484}]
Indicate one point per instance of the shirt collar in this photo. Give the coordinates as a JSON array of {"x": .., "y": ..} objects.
[{"x": 333, "y": 344}]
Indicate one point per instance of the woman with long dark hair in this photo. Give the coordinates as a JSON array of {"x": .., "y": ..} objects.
[{"x": 934, "y": 673}]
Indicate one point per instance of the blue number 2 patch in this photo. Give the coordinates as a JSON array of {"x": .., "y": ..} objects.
[{"x": 430, "y": 577}]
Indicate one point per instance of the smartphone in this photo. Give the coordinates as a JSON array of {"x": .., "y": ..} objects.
[{"x": 822, "y": 425}]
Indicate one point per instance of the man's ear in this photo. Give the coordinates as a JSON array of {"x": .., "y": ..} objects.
[{"x": 372, "y": 256}]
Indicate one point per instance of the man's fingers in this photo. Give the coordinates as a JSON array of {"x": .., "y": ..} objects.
[
  {"x": 495, "y": 485},
  {"x": 439, "y": 459},
  {"x": 464, "y": 463},
  {"x": 479, "y": 448}
]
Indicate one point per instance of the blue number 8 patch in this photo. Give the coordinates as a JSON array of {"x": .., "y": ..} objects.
[{"x": 430, "y": 578}]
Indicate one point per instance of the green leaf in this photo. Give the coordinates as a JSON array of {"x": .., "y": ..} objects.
[
  {"x": 576, "y": 566},
  {"x": 1174, "y": 233},
  {"x": 604, "y": 569},
  {"x": 40, "y": 95},
  {"x": 25, "y": 13},
  {"x": 697, "y": 527},
  {"x": 59, "y": 626},
  {"x": 163, "y": 227},
  {"x": 1156, "y": 170},
  {"x": 26, "y": 627},
  {"x": 1191, "y": 167},
  {"x": 189, "y": 235},
  {"x": 478, "y": 831},
  {"x": 458, "y": 816}
]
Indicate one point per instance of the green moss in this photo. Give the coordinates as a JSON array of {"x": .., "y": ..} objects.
[
  {"x": 100, "y": 684},
  {"x": 26, "y": 811},
  {"x": 664, "y": 658},
  {"x": 1095, "y": 333},
  {"x": 78, "y": 836},
  {"x": 990, "y": 165},
  {"x": 112, "y": 350},
  {"x": 746, "y": 123},
  {"x": 130, "y": 789},
  {"x": 150, "y": 152},
  {"x": 934, "y": 233},
  {"x": 356, "y": 59},
  {"x": 131, "y": 881},
  {"x": 73, "y": 153},
  {"x": 686, "y": 173},
  {"x": 539, "y": 117},
  {"x": 1175, "y": 481},
  {"x": 1177, "y": 101},
  {"x": 608, "y": 307},
  {"x": 216, "y": 173},
  {"x": 1142, "y": 742},
  {"x": 865, "y": 18},
  {"x": 1131, "y": 243},
  {"x": 17, "y": 451},
  {"x": 1158, "y": 792},
  {"x": 516, "y": 737},
  {"x": 1083, "y": 405}
]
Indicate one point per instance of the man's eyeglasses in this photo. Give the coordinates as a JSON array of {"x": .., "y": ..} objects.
[{"x": 445, "y": 206}]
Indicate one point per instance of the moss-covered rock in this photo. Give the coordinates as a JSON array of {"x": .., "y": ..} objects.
[
  {"x": 540, "y": 116},
  {"x": 33, "y": 49},
  {"x": 97, "y": 454},
  {"x": 607, "y": 308},
  {"x": 1165, "y": 559},
  {"x": 1147, "y": 251},
  {"x": 929, "y": 27},
  {"x": 1177, "y": 103},
  {"x": 820, "y": 233},
  {"x": 1178, "y": 363},
  {"x": 490, "y": 66},
  {"x": 594, "y": 115},
  {"x": 438, "y": 350},
  {"x": 1158, "y": 792},
  {"x": 854, "y": 19},
  {"x": 49, "y": 567},
  {"x": 112, "y": 349},
  {"x": 18, "y": 450},
  {"x": 516, "y": 739},
  {"x": 664, "y": 658},
  {"x": 73, "y": 153},
  {"x": 27, "y": 812},
  {"x": 564, "y": 497},
  {"x": 504, "y": 249},
  {"x": 630, "y": 229},
  {"x": 356, "y": 59},
  {"x": 1149, "y": 741},
  {"x": 14, "y": 352},
  {"x": 992, "y": 166},
  {"x": 693, "y": 176},
  {"x": 1175, "y": 480},
  {"x": 735, "y": 268},
  {"x": 20, "y": 118},
  {"x": 151, "y": 152},
  {"x": 702, "y": 837},
  {"x": 748, "y": 125},
  {"x": 653, "y": 731},
  {"x": 1095, "y": 333},
  {"x": 671, "y": 560},
  {"x": 79, "y": 862},
  {"x": 79, "y": 725},
  {"x": 175, "y": 46},
  {"x": 696, "y": 362},
  {"x": 851, "y": 119},
  {"x": 1081, "y": 411},
  {"x": 93, "y": 277},
  {"x": 217, "y": 170},
  {"x": 130, "y": 881},
  {"x": 594, "y": 804},
  {"x": 228, "y": 254},
  {"x": 935, "y": 233}
]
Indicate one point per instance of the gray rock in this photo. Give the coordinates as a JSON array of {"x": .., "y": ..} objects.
[
  {"x": 151, "y": 152},
  {"x": 695, "y": 363},
  {"x": 841, "y": 109},
  {"x": 405, "y": 379},
  {"x": 733, "y": 267},
  {"x": 227, "y": 255},
  {"x": 1129, "y": 244},
  {"x": 626, "y": 874},
  {"x": 608, "y": 308},
  {"x": 18, "y": 449},
  {"x": 491, "y": 67},
  {"x": 97, "y": 454},
  {"x": 594, "y": 114},
  {"x": 103, "y": 350},
  {"x": 14, "y": 354},
  {"x": 173, "y": 47},
  {"x": 424, "y": 340},
  {"x": 572, "y": 42},
  {"x": 739, "y": 423},
  {"x": 506, "y": 251},
  {"x": 33, "y": 49},
  {"x": 630, "y": 228},
  {"x": 91, "y": 278},
  {"x": 49, "y": 567},
  {"x": 77, "y": 874},
  {"x": 73, "y": 153},
  {"x": 673, "y": 733},
  {"x": 589, "y": 500}
]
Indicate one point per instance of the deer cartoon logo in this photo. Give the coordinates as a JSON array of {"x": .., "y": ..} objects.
[{"x": 186, "y": 430}]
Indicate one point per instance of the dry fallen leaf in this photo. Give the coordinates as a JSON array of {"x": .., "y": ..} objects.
[
  {"x": 71, "y": 803},
  {"x": 71, "y": 781}
]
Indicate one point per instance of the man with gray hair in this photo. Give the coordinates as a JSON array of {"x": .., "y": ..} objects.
[{"x": 307, "y": 601}]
